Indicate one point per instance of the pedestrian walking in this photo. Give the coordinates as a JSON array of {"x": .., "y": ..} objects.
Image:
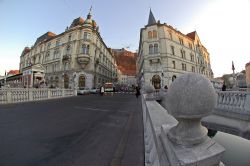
[
  {"x": 224, "y": 87},
  {"x": 137, "y": 91},
  {"x": 102, "y": 90}
]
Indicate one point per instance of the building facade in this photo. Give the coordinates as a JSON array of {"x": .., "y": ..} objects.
[
  {"x": 75, "y": 58},
  {"x": 248, "y": 74},
  {"x": 165, "y": 53}
]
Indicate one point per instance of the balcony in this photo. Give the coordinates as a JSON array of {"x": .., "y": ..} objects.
[
  {"x": 66, "y": 57},
  {"x": 83, "y": 59}
]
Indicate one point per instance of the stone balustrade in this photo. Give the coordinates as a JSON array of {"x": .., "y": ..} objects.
[
  {"x": 15, "y": 95},
  {"x": 234, "y": 104}
]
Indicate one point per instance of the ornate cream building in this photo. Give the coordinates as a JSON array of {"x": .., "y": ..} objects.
[
  {"x": 248, "y": 74},
  {"x": 75, "y": 58},
  {"x": 165, "y": 53}
]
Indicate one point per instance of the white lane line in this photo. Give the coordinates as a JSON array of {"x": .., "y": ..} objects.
[{"x": 88, "y": 108}]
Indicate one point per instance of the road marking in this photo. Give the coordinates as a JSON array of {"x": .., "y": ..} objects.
[
  {"x": 119, "y": 153},
  {"x": 89, "y": 108}
]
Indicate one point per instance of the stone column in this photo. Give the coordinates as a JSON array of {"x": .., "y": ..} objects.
[{"x": 189, "y": 98}]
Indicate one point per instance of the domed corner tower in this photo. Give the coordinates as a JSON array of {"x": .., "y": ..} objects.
[{"x": 84, "y": 56}]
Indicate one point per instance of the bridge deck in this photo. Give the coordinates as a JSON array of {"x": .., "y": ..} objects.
[{"x": 84, "y": 130}]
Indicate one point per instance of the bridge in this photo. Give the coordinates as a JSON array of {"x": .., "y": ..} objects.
[{"x": 169, "y": 138}]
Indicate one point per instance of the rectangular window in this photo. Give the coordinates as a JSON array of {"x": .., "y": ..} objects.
[
  {"x": 171, "y": 37},
  {"x": 172, "y": 49},
  {"x": 69, "y": 38},
  {"x": 57, "y": 42},
  {"x": 190, "y": 46},
  {"x": 173, "y": 62},
  {"x": 181, "y": 41},
  {"x": 183, "y": 54},
  {"x": 184, "y": 67},
  {"x": 48, "y": 46},
  {"x": 86, "y": 36},
  {"x": 193, "y": 69},
  {"x": 192, "y": 57}
]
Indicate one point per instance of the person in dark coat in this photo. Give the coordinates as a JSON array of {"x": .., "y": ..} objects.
[
  {"x": 224, "y": 87},
  {"x": 137, "y": 91}
]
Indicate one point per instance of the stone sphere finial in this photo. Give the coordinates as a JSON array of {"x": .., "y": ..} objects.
[
  {"x": 149, "y": 88},
  {"x": 189, "y": 98}
]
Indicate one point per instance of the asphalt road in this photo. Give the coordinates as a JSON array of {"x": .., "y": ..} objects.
[{"x": 89, "y": 130}]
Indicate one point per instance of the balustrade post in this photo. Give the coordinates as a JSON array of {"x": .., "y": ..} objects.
[
  {"x": 30, "y": 91},
  {"x": 63, "y": 92},
  {"x": 247, "y": 102},
  {"x": 190, "y": 98},
  {"x": 8, "y": 94},
  {"x": 49, "y": 93}
]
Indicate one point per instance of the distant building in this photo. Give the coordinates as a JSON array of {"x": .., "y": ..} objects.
[
  {"x": 126, "y": 64},
  {"x": 12, "y": 72},
  {"x": 248, "y": 74},
  {"x": 217, "y": 83},
  {"x": 12, "y": 79},
  {"x": 165, "y": 53},
  {"x": 75, "y": 58},
  {"x": 241, "y": 79}
]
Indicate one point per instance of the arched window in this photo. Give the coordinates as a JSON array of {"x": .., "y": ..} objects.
[
  {"x": 154, "y": 34},
  {"x": 81, "y": 82},
  {"x": 85, "y": 49},
  {"x": 150, "y": 35},
  {"x": 156, "y": 81},
  {"x": 151, "y": 49},
  {"x": 173, "y": 78},
  {"x": 155, "y": 48},
  {"x": 66, "y": 81},
  {"x": 68, "y": 49},
  {"x": 66, "y": 66},
  {"x": 57, "y": 81}
]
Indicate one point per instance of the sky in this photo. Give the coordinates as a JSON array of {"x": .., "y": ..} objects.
[{"x": 223, "y": 26}]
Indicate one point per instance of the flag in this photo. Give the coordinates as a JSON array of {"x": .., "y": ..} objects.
[{"x": 233, "y": 68}]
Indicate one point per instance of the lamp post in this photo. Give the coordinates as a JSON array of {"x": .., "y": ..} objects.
[
  {"x": 74, "y": 82},
  {"x": 162, "y": 76}
]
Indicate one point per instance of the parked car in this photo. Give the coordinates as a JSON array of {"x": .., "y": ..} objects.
[
  {"x": 83, "y": 91},
  {"x": 94, "y": 90}
]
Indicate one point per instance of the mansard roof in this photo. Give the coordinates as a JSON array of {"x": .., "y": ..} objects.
[
  {"x": 48, "y": 35},
  {"x": 192, "y": 35}
]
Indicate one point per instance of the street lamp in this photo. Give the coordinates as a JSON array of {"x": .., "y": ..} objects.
[{"x": 162, "y": 76}]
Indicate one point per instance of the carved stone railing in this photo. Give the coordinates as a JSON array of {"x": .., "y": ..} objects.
[
  {"x": 39, "y": 94},
  {"x": 15, "y": 95},
  {"x": 154, "y": 116},
  {"x": 234, "y": 104}
]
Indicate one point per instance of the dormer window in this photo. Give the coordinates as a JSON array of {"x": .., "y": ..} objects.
[
  {"x": 181, "y": 41},
  {"x": 69, "y": 38}
]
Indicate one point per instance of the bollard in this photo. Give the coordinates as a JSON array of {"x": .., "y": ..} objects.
[{"x": 149, "y": 91}]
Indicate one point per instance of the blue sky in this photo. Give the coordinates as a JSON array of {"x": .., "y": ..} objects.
[{"x": 216, "y": 21}]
